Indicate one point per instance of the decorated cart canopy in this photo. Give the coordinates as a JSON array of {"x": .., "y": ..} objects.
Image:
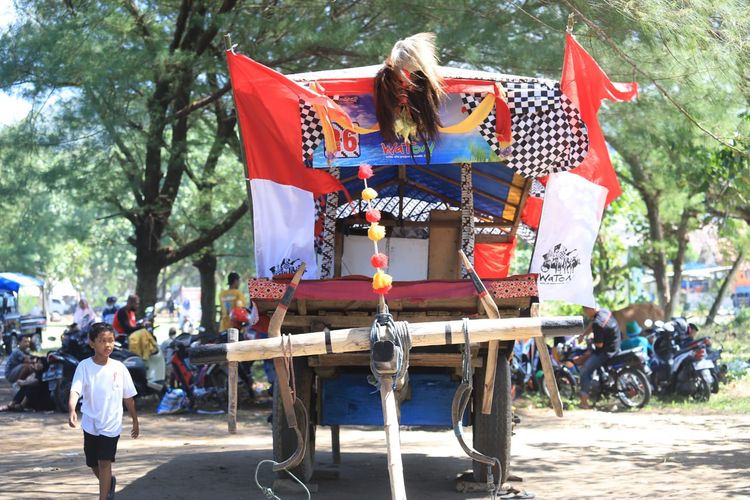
[{"x": 546, "y": 130}]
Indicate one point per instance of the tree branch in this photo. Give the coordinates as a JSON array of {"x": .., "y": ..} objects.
[
  {"x": 195, "y": 105},
  {"x": 193, "y": 246},
  {"x": 622, "y": 55}
]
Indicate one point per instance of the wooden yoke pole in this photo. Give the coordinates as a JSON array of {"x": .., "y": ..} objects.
[
  {"x": 549, "y": 373},
  {"x": 392, "y": 438},
  {"x": 493, "y": 346},
  {"x": 233, "y": 335},
  {"x": 358, "y": 339}
]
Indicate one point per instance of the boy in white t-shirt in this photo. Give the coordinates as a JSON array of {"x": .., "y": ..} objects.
[{"x": 103, "y": 384}]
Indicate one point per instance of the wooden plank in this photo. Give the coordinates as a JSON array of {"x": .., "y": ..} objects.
[
  {"x": 549, "y": 372},
  {"x": 358, "y": 339},
  {"x": 444, "y": 242},
  {"x": 392, "y": 439},
  {"x": 428, "y": 359}
]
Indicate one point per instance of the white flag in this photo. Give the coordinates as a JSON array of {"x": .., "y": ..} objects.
[
  {"x": 571, "y": 215},
  {"x": 284, "y": 227}
]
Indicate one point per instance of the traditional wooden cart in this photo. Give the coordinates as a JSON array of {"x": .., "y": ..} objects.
[{"x": 466, "y": 194}]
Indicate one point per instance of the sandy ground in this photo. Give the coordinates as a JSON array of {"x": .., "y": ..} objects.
[{"x": 588, "y": 454}]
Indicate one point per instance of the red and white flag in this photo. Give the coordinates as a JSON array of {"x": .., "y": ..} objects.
[{"x": 283, "y": 189}]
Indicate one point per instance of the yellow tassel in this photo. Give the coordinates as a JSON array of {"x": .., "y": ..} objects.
[
  {"x": 369, "y": 194},
  {"x": 382, "y": 282},
  {"x": 376, "y": 232}
]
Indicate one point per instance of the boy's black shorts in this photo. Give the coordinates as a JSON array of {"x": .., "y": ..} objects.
[{"x": 99, "y": 448}]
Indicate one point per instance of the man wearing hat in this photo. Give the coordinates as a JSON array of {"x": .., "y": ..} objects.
[{"x": 633, "y": 330}]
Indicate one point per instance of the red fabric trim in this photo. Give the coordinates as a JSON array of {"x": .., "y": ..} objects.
[
  {"x": 360, "y": 288},
  {"x": 492, "y": 260}
]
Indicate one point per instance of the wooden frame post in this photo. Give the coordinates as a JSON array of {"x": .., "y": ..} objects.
[{"x": 233, "y": 335}]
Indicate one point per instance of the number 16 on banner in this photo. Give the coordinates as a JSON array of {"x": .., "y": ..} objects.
[{"x": 347, "y": 141}]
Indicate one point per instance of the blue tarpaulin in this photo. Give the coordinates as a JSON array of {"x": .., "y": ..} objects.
[{"x": 15, "y": 281}]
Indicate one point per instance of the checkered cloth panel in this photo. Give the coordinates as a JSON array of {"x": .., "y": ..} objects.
[
  {"x": 548, "y": 133},
  {"x": 487, "y": 129},
  {"x": 312, "y": 130},
  {"x": 537, "y": 189}
]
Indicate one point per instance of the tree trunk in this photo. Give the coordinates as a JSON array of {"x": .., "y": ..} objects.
[
  {"x": 206, "y": 265},
  {"x": 682, "y": 243},
  {"x": 724, "y": 287},
  {"x": 658, "y": 259}
]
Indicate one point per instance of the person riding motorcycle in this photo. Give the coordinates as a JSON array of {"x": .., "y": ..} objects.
[
  {"x": 606, "y": 345},
  {"x": 125, "y": 322}
]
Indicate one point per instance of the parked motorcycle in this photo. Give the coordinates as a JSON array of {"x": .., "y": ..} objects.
[
  {"x": 683, "y": 370},
  {"x": 624, "y": 377}
]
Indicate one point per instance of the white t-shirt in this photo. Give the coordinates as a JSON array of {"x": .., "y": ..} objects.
[{"x": 102, "y": 387}]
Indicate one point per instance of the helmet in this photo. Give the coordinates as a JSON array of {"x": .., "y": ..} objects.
[
  {"x": 111, "y": 300},
  {"x": 240, "y": 315}
]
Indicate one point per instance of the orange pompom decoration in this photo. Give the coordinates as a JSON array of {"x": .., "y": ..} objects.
[
  {"x": 365, "y": 171},
  {"x": 376, "y": 232},
  {"x": 379, "y": 260},
  {"x": 369, "y": 194},
  {"x": 382, "y": 282},
  {"x": 372, "y": 215}
]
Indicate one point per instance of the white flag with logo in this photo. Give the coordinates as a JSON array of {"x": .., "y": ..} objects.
[
  {"x": 571, "y": 216},
  {"x": 284, "y": 227}
]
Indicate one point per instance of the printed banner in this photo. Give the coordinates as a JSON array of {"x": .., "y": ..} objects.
[{"x": 355, "y": 148}]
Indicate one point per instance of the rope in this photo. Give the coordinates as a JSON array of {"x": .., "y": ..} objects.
[
  {"x": 268, "y": 492},
  {"x": 398, "y": 333},
  {"x": 286, "y": 350}
]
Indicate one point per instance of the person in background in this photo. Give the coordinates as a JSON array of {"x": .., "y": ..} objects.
[
  {"x": 124, "y": 321},
  {"x": 606, "y": 345},
  {"x": 109, "y": 311},
  {"x": 633, "y": 331},
  {"x": 228, "y": 300},
  {"x": 20, "y": 364},
  {"x": 84, "y": 316}
]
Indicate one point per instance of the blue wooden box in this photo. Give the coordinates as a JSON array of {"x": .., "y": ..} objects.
[{"x": 348, "y": 399}]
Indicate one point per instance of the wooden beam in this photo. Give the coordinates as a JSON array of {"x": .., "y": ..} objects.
[
  {"x": 429, "y": 359},
  {"x": 358, "y": 339},
  {"x": 517, "y": 215}
]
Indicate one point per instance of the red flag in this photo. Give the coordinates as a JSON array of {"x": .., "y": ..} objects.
[
  {"x": 492, "y": 260},
  {"x": 586, "y": 84},
  {"x": 532, "y": 211},
  {"x": 282, "y": 187}
]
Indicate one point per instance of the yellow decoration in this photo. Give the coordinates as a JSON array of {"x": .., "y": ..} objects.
[
  {"x": 369, "y": 194},
  {"x": 376, "y": 232},
  {"x": 381, "y": 280},
  {"x": 466, "y": 125}
]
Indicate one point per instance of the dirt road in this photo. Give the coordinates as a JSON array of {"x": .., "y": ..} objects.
[{"x": 588, "y": 454}]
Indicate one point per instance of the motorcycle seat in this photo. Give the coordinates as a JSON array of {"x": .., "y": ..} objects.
[{"x": 624, "y": 355}]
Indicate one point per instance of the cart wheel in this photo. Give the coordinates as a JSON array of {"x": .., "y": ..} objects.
[
  {"x": 492, "y": 432},
  {"x": 285, "y": 439}
]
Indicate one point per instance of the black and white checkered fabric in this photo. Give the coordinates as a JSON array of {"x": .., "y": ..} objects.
[
  {"x": 537, "y": 189},
  {"x": 312, "y": 130},
  {"x": 548, "y": 133},
  {"x": 528, "y": 97},
  {"x": 487, "y": 129}
]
